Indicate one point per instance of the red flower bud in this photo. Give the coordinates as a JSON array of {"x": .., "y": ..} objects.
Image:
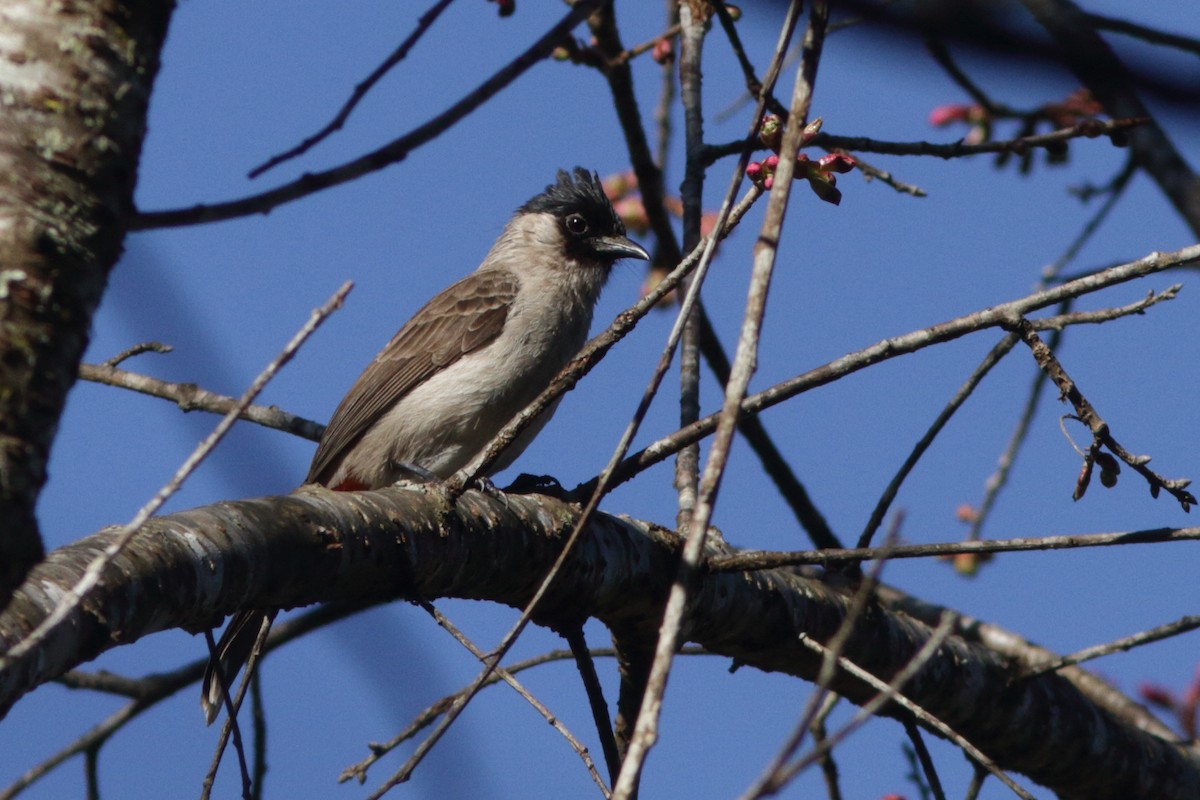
[
  {"x": 1157, "y": 695},
  {"x": 837, "y": 162}
]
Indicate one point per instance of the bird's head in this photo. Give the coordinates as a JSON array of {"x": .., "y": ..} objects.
[{"x": 587, "y": 223}]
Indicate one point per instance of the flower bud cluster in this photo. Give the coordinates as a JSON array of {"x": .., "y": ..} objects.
[{"x": 821, "y": 173}]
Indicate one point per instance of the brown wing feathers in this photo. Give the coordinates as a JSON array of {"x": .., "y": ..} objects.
[{"x": 459, "y": 320}]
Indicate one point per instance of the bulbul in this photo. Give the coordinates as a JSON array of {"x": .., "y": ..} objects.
[{"x": 466, "y": 363}]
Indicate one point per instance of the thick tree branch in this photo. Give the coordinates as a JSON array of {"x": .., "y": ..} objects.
[{"x": 186, "y": 569}]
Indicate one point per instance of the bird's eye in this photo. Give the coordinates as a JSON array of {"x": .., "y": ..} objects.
[{"x": 576, "y": 224}]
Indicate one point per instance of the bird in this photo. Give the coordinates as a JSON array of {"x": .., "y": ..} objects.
[{"x": 466, "y": 363}]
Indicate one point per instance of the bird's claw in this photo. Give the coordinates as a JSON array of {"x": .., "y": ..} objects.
[{"x": 537, "y": 484}]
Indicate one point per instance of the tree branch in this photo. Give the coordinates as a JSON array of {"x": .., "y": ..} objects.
[{"x": 187, "y": 569}]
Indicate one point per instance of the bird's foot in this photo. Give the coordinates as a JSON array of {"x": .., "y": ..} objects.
[{"x": 537, "y": 484}]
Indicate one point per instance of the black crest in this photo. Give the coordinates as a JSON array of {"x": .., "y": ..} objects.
[{"x": 582, "y": 194}]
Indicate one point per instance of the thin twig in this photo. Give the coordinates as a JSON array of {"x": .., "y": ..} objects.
[
  {"x": 1181, "y": 625},
  {"x": 258, "y": 715},
  {"x": 394, "y": 151},
  {"x": 1146, "y": 34},
  {"x": 155, "y": 688},
  {"x": 92, "y": 574},
  {"x": 1089, "y": 129},
  {"x": 444, "y": 622},
  {"x": 924, "y": 759},
  {"x": 871, "y": 172},
  {"x": 992, "y": 317},
  {"x": 190, "y": 397},
  {"x": 233, "y": 705},
  {"x": 994, "y": 356},
  {"x": 889, "y": 692},
  {"x": 770, "y": 780},
  {"x": 137, "y": 350},
  {"x": 829, "y": 767},
  {"x": 765, "y": 559},
  {"x": 360, "y": 91},
  {"x": 645, "y": 731},
  {"x": 595, "y": 695},
  {"x": 941, "y": 54},
  {"x": 1087, "y": 414},
  {"x": 999, "y": 478},
  {"x": 426, "y": 718},
  {"x": 773, "y": 463}
]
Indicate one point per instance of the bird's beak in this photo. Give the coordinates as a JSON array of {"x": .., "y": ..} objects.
[{"x": 619, "y": 247}]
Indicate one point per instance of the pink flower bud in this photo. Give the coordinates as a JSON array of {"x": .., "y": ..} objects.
[
  {"x": 770, "y": 163},
  {"x": 663, "y": 52},
  {"x": 768, "y": 182},
  {"x": 754, "y": 171},
  {"x": 944, "y": 115}
]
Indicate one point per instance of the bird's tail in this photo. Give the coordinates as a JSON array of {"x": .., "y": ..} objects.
[{"x": 233, "y": 651}]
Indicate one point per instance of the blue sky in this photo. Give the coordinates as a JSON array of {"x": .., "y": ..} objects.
[{"x": 241, "y": 82}]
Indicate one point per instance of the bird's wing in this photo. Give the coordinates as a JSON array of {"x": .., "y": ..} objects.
[{"x": 459, "y": 320}]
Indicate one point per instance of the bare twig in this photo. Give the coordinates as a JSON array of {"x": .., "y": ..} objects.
[
  {"x": 152, "y": 689},
  {"x": 360, "y": 91},
  {"x": 426, "y": 718},
  {"x": 190, "y": 397},
  {"x": 444, "y": 622},
  {"x": 231, "y": 725},
  {"x": 941, "y": 54},
  {"x": 394, "y": 151},
  {"x": 829, "y": 768},
  {"x": 586, "y": 665},
  {"x": 924, "y": 759},
  {"x": 769, "y": 455},
  {"x": 1181, "y": 625},
  {"x": 771, "y": 779},
  {"x": 992, "y": 317},
  {"x": 763, "y": 559},
  {"x": 1146, "y": 34},
  {"x": 137, "y": 350},
  {"x": 890, "y": 693},
  {"x": 1089, "y": 129},
  {"x": 91, "y": 576},
  {"x": 1088, "y": 415},
  {"x": 999, "y": 478},
  {"x": 1002, "y": 348},
  {"x": 645, "y": 731}
]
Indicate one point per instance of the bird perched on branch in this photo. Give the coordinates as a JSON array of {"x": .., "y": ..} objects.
[{"x": 468, "y": 362}]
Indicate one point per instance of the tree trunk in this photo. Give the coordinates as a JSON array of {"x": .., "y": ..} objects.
[{"x": 75, "y": 80}]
